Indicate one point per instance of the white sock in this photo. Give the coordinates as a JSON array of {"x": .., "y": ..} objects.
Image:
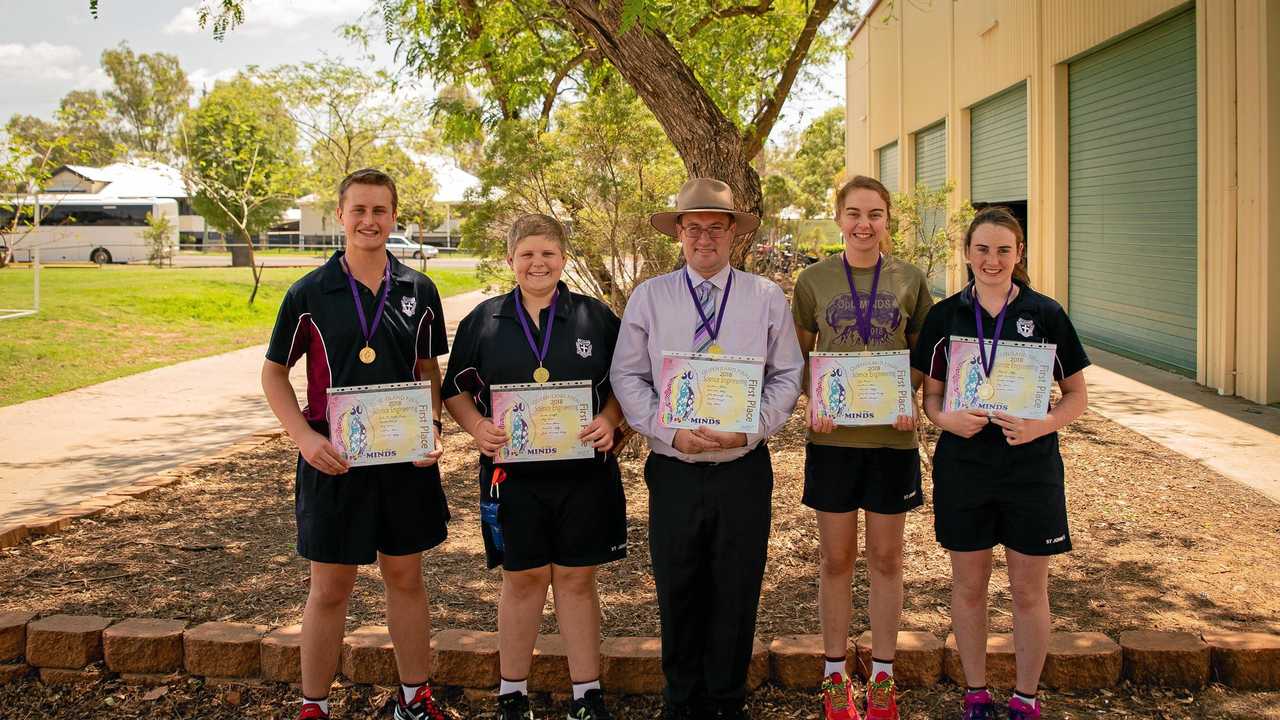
[
  {"x": 1028, "y": 700},
  {"x": 834, "y": 666},
  {"x": 879, "y": 666},
  {"x": 510, "y": 686},
  {"x": 408, "y": 691},
  {"x": 323, "y": 703},
  {"x": 580, "y": 689}
]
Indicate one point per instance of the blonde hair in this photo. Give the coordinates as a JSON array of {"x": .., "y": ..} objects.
[{"x": 534, "y": 224}]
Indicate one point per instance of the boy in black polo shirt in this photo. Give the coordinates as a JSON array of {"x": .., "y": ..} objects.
[{"x": 362, "y": 318}]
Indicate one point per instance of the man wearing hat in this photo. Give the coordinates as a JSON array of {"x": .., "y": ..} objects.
[{"x": 710, "y": 492}]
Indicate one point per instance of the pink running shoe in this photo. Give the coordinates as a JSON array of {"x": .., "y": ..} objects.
[
  {"x": 1020, "y": 710},
  {"x": 312, "y": 711},
  {"x": 978, "y": 705},
  {"x": 837, "y": 698},
  {"x": 882, "y": 702}
]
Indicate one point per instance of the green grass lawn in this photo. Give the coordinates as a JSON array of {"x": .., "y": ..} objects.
[{"x": 96, "y": 324}]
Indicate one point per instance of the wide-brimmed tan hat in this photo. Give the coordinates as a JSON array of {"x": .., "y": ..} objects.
[{"x": 703, "y": 195}]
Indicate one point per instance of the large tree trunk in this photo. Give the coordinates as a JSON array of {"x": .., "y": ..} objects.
[
  {"x": 241, "y": 250},
  {"x": 708, "y": 142}
]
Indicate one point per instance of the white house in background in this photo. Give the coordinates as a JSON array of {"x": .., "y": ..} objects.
[
  {"x": 131, "y": 180},
  {"x": 317, "y": 225}
]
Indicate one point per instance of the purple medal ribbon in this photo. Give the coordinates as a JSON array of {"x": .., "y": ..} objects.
[
  {"x": 863, "y": 320},
  {"x": 528, "y": 333},
  {"x": 988, "y": 364},
  {"x": 714, "y": 332},
  {"x": 382, "y": 301}
]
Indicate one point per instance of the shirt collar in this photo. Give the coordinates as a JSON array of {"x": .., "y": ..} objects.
[
  {"x": 564, "y": 303},
  {"x": 720, "y": 279},
  {"x": 335, "y": 275}
]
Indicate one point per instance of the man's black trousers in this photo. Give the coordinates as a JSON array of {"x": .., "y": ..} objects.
[{"x": 708, "y": 538}]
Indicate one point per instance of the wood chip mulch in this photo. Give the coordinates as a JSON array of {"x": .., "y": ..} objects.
[{"x": 1161, "y": 542}]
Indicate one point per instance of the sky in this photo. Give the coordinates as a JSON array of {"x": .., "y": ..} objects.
[{"x": 54, "y": 46}]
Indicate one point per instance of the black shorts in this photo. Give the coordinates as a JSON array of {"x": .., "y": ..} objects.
[
  {"x": 985, "y": 495},
  {"x": 570, "y": 513},
  {"x": 348, "y": 519},
  {"x": 844, "y": 479}
]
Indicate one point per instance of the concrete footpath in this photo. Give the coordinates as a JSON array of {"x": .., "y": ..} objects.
[
  {"x": 1237, "y": 438},
  {"x": 58, "y": 450}
]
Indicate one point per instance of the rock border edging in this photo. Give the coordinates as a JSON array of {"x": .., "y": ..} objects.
[{"x": 71, "y": 648}]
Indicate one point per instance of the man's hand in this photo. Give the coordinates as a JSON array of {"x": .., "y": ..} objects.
[
  {"x": 690, "y": 442},
  {"x": 599, "y": 433},
  {"x": 489, "y": 439},
  {"x": 320, "y": 453},
  {"x": 724, "y": 440}
]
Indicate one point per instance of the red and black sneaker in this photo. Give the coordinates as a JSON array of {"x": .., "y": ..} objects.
[{"x": 421, "y": 707}]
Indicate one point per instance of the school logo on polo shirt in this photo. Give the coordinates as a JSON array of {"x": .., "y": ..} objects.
[
  {"x": 584, "y": 348},
  {"x": 1026, "y": 326},
  {"x": 408, "y": 304}
]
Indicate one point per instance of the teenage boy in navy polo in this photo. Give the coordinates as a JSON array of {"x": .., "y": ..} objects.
[{"x": 362, "y": 318}]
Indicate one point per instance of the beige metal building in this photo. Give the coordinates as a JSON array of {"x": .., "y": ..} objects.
[{"x": 1138, "y": 139}]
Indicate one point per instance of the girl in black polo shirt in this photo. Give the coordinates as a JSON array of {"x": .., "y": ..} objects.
[
  {"x": 550, "y": 522},
  {"x": 998, "y": 479}
]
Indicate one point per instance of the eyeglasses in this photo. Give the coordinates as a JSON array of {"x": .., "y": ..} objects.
[{"x": 714, "y": 232}]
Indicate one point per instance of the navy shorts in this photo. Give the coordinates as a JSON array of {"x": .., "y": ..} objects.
[
  {"x": 985, "y": 495},
  {"x": 844, "y": 479},
  {"x": 396, "y": 509},
  {"x": 570, "y": 513}
]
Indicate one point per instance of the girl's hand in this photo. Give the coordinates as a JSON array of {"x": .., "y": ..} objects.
[
  {"x": 905, "y": 423},
  {"x": 599, "y": 433},
  {"x": 822, "y": 424},
  {"x": 965, "y": 423},
  {"x": 1018, "y": 431}
]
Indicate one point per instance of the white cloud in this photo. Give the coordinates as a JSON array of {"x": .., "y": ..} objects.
[
  {"x": 40, "y": 61},
  {"x": 204, "y": 79},
  {"x": 264, "y": 16},
  {"x": 186, "y": 22},
  {"x": 92, "y": 78}
]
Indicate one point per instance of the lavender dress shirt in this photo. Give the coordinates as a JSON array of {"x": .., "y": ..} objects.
[{"x": 661, "y": 316}]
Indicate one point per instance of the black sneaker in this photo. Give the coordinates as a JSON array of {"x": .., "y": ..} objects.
[
  {"x": 513, "y": 706},
  {"x": 590, "y": 707},
  {"x": 731, "y": 711},
  {"x": 678, "y": 712},
  {"x": 422, "y": 707}
]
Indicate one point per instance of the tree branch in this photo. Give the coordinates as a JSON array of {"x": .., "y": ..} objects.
[
  {"x": 721, "y": 13},
  {"x": 553, "y": 90},
  {"x": 764, "y": 120}
]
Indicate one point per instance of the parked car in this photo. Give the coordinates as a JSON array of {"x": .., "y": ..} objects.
[{"x": 402, "y": 247}]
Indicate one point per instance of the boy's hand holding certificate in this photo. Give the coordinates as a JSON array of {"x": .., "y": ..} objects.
[
  {"x": 542, "y": 421},
  {"x": 1019, "y": 384},
  {"x": 863, "y": 388},
  {"x": 718, "y": 392},
  {"x": 381, "y": 424}
]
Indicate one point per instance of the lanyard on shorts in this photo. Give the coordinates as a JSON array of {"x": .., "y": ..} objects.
[{"x": 499, "y": 476}]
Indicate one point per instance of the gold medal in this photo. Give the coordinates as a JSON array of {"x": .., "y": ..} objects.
[
  {"x": 367, "y": 355},
  {"x": 986, "y": 390},
  {"x": 541, "y": 375},
  {"x": 715, "y": 349}
]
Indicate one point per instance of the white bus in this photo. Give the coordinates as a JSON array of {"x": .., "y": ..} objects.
[{"x": 75, "y": 228}]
